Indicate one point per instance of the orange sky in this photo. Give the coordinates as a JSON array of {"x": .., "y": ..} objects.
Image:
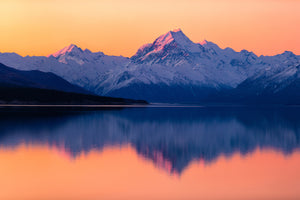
[{"x": 120, "y": 27}]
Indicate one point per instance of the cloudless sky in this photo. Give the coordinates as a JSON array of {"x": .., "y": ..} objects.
[{"x": 120, "y": 27}]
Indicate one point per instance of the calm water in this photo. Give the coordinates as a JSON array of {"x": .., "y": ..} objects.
[{"x": 150, "y": 153}]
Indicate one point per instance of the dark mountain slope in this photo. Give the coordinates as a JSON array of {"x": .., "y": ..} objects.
[
  {"x": 36, "y": 79},
  {"x": 10, "y": 94},
  {"x": 35, "y": 87}
]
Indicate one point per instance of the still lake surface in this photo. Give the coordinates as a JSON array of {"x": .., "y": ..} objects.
[{"x": 150, "y": 153}]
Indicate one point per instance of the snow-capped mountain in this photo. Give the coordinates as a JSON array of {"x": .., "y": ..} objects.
[
  {"x": 273, "y": 85},
  {"x": 193, "y": 63},
  {"x": 280, "y": 71},
  {"x": 80, "y": 67},
  {"x": 73, "y": 53},
  {"x": 171, "y": 69},
  {"x": 172, "y": 48}
]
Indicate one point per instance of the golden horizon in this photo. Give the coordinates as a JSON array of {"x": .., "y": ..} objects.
[{"x": 118, "y": 27}]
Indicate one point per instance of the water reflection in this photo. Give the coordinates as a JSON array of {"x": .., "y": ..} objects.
[{"x": 170, "y": 137}]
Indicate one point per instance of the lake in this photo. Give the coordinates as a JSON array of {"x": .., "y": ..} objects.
[{"x": 163, "y": 153}]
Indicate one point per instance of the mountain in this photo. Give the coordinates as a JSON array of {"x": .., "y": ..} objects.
[
  {"x": 80, "y": 67},
  {"x": 174, "y": 69},
  {"x": 10, "y": 77},
  {"x": 170, "y": 49},
  {"x": 171, "y": 69},
  {"x": 35, "y": 87},
  {"x": 281, "y": 86}
]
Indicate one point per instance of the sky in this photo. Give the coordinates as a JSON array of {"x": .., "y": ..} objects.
[{"x": 120, "y": 27}]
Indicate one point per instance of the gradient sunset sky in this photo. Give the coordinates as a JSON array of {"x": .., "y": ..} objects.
[{"x": 120, "y": 27}]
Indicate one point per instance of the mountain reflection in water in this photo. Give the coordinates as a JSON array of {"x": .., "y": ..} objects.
[{"x": 171, "y": 137}]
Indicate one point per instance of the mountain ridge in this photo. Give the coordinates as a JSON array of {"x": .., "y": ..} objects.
[
  {"x": 36, "y": 79},
  {"x": 172, "y": 64},
  {"x": 39, "y": 88}
]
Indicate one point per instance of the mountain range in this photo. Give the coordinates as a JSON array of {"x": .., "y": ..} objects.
[
  {"x": 10, "y": 77},
  {"x": 174, "y": 69},
  {"x": 36, "y": 87}
]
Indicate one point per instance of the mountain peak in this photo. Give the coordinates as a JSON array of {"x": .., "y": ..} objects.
[
  {"x": 175, "y": 35},
  {"x": 174, "y": 42},
  {"x": 176, "y": 30},
  {"x": 72, "y": 48},
  {"x": 180, "y": 39}
]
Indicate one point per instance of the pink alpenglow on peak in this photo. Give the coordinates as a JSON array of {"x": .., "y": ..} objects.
[
  {"x": 180, "y": 38},
  {"x": 176, "y": 35},
  {"x": 174, "y": 38},
  {"x": 68, "y": 49},
  {"x": 72, "y": 53},
  {"x": 176, "y": 30},
  {"x": 203, "y": 42}
]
